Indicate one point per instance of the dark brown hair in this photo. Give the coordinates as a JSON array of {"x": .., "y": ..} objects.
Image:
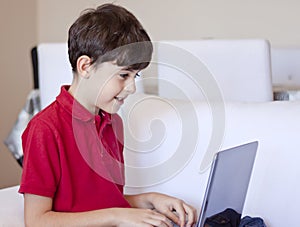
[{"x": 109, "y": 33}]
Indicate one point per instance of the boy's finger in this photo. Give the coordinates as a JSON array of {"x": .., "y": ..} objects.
[
  {"x": 181, "y": 213},
  {"x": 173, "y": 217},
  {"x": 191, "y": 214}
]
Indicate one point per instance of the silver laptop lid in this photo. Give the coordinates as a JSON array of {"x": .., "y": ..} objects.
[{"x": 228, "y": 180}]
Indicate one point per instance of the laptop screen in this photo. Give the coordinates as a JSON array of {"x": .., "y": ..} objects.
[{"x": 228, "y": 181}]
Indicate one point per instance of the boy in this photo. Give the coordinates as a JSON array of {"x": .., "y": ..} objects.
[{"x": 73, "y": 162}]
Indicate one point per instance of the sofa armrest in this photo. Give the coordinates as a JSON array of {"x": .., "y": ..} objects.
[{"x": 11, "y": 207}]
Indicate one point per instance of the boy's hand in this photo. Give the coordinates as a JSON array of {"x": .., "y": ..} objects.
[
  {"x": 135, "y": 217},
  {"x": 175, "y": 209}
]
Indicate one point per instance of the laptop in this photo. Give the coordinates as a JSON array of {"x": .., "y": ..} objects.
[{"x": 228, "y": 181}]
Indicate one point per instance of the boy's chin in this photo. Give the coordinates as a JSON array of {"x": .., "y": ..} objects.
[{"x": 114, "y": 109}]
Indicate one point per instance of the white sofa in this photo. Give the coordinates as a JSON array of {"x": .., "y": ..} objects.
[
  {"x": 11, "y": 207},
  {"x": 285, "y": 67},
  {"x": 157, "y": 128},
  {"x": 273, "y": 192}
]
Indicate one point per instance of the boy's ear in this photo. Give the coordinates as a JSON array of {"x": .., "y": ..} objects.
[{"x": 83, "y": 66}]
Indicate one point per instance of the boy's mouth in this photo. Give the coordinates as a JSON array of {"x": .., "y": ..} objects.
[{"x": 120, "y": 99}]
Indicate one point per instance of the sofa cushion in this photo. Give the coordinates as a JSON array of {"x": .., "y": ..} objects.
[
  {"x": 156, "y": 130},
  {"x": 240, "y": 69}
]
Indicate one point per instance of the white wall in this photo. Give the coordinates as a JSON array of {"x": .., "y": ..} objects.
[
  {"x": 277, "y": 21},
  {"x": 18, "y": 36}
]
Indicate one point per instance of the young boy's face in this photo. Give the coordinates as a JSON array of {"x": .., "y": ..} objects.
[{"x": 108, "y": 86}]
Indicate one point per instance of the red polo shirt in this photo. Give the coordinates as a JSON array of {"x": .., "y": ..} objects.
[{"x": 74, "y": 157}]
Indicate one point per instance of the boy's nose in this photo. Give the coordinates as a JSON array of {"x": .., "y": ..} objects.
[{"x": 130, "y": 87}]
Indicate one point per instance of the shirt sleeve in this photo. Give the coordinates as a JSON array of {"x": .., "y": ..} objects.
[{"x": 41, "y": 166}]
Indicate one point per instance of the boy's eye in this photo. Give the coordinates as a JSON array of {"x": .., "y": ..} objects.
[{"x": 124, "y": 75}]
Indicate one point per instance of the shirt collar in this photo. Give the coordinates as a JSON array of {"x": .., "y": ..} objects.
[{"x": 73, "y": 107}]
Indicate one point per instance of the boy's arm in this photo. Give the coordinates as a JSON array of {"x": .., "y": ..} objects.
[
  {"x": 38, "y": 212},
  {"x": 175, "y": 209}
]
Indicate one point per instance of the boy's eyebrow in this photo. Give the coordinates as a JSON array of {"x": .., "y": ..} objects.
[{"x": 128, "y": 69}]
